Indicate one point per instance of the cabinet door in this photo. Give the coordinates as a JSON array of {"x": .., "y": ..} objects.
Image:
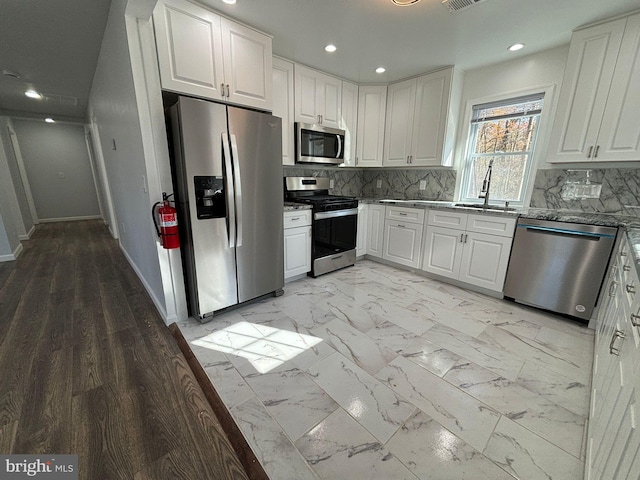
[
  {"x": 349, "y": 121},
  {"x": 443, "y": 251},
  {"x": 484, "y": 260},
  {"x": 330, "y": 101},
  {"x": 430, "y": 118},
  {"x": 297, "y": 251},
  {"x": 375, "y": 229},
  {"x": 361, "y": 239},
  {"x": 587, "y": 80},
  {"x": 372, "y": 103},
  {"x": 402, "y": 242},
  {"x": 401, "y": 99},
  {"x": 283, "y": 105},
  {"x": 247, "y": 66},
  {"x": 189, "y": 45},
  {"x": 306, "y": 85},
  {"x": 619, "y": 137}
]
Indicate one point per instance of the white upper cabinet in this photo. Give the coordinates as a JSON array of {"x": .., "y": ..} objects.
[
  {"x": 401, "y": 99},
  {"x": 283, "y": 105},
  {"x": 349, "y": 121},
  {"x": 597, "y": 117},
  {"x": 200, "y": 53},
  {"x": 372, "y": 101},
  {"x": 318, "y": 97},
  {"x": 247, "y": 65},
  {"x": 421, "y": 120}
]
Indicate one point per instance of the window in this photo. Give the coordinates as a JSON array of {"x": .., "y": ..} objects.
[{"x": 504, "y": 133}]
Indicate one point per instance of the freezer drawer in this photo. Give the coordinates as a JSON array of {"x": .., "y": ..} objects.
[{"x": 559, "y": 266}]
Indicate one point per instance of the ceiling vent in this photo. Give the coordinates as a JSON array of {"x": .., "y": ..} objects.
[
  {"x": 64, "y": 100},
  {"x": 457, "y": 5}
]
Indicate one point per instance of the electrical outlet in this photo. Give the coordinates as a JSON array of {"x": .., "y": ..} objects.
[
  {"x": 423, "y": 184},
  {"x": 331, "y": 183},
  {"x": 379, "y": 184}
]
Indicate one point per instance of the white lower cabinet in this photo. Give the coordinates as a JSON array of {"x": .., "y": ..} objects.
[
  {"x": 297, "y": 243},
  {"x": 361, "y": 238},
  {"x": 614, "y": 433},
  {"x": 375, "y": 229},
  {"x": 403, "y": 235},
  {"x": 470, "y": 248}
]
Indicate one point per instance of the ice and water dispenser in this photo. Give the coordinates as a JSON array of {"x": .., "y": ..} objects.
[{"x": 210, "y": 197}]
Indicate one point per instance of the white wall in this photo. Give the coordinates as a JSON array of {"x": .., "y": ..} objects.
[
  {"x": 24, "y": 218},
  {"x": 58, "y": 169},
  {"x": 113, "y": 108}
]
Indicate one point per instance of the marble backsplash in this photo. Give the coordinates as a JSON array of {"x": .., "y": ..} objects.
[
  {"x": 620, "y": 191},
  {"x": 400, "y": 184}
]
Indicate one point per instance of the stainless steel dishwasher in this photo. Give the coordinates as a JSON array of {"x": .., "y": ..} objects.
[{"x": 559, "y": 266}]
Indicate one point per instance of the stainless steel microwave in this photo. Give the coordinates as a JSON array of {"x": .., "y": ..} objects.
[{"x": 318, "y": 144}]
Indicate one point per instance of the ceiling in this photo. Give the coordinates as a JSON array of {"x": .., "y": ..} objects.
[{"x": 53, "y": 45}]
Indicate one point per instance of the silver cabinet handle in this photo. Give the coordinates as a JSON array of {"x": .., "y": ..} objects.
[
  {"x": 613, "y": 350},
  {"x": 590, "y": 150},
  {"x": 461, "y": 235},
  {"x": 222, "y": 89},
  {"x": 631, "y": 288},
  {"x": 626, "y": 268},
  {"x": 465, "y": 237},
  {"x": 612, "y": 288},
  {"x": 595, "y": 154},
  {"x": 634, "y": 319},
  {"x": 294, "y": 219},
  {"x": 401, "y": 226},
  {"x": 402, "y": 214},
  {"x": 623, "y": 253}
]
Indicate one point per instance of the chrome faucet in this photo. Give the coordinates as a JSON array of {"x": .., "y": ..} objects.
[{"x": 486, "y": 184}]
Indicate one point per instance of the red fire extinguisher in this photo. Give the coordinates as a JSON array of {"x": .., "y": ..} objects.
[{"x": 168, "y": 227}]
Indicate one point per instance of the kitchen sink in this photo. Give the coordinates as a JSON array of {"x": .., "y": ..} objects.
[{"x": 479, "y": 206}]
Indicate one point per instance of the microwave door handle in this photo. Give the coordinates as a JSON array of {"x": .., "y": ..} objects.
[
  {"x": 339, "y": 145},
  {"x": 226, "y": 154},
  {"x": 237, "y": 187}
]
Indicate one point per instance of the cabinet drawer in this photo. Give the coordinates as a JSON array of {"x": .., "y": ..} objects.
[
  {"x": 501, "y": 226},
  {"x": 297, "y": 218},
  {"x": 404, "y": 214},
  {"x": 448, "y": 219}
]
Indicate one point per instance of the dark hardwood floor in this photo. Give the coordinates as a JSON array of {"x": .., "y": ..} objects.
[{"x": 88, "y": 367}]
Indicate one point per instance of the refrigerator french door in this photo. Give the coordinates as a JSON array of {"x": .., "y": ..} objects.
[{"x": 227, "y": 166}]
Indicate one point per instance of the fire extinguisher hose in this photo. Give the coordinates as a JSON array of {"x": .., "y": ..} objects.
[{"x": 153, "y": 216}]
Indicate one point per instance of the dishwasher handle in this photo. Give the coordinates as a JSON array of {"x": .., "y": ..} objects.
[{"x": 564, "y": 231}]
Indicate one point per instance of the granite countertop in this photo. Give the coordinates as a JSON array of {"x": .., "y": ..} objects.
[{"x": 630, "y": 224}]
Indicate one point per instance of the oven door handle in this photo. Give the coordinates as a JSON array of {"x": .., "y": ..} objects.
[{"x": 335, "y": 214}]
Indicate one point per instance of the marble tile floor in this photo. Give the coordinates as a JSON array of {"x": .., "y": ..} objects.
[{"x": 372, "y": 372}]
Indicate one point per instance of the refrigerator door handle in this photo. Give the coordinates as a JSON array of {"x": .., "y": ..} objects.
[
  {"x": 237, "y": 187},
  {"x": 226, "y": 154}
]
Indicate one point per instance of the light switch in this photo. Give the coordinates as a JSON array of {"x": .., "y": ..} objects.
[
  {"x": 423, "y": 184},
  {"x": 379, "y": 184}
]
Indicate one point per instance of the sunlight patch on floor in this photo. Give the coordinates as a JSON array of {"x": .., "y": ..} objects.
[{"x": 265, "y": 347}]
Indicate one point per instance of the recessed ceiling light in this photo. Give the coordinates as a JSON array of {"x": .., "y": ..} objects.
[
  {"x": 404, "y": 3},
  {"x": 330, "y": 48},
  {"x": 515, "y": 47},
  {"x": 230, "y": 2},
  {"x": 33, "y": 94},
  {"x": 49, "y": 120},
  {"x": 381, "y": 70}
]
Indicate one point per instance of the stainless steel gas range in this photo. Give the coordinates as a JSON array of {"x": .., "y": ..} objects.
[{"x": 334, "y": 225}]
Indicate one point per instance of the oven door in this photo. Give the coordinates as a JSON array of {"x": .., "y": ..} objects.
[
  {"x": 317, "y": 144},
  {"x": 334, "y": 232}
]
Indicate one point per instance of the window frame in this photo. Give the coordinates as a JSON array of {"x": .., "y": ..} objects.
[{"x": 540, "y": 146}]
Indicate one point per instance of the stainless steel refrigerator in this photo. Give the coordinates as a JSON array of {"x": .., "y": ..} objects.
[{"x": 227, "y": 169}]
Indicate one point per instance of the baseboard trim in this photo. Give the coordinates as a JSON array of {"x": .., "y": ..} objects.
[
  {"x": 12, "y": 256},
  {"x": 69, "y": 219},
  {"x": 29, "y": 233}
]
